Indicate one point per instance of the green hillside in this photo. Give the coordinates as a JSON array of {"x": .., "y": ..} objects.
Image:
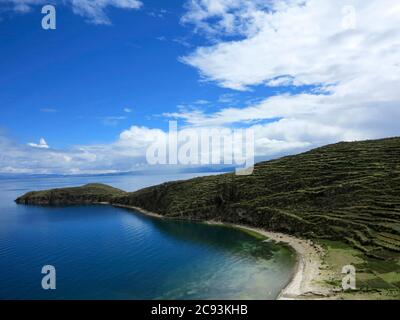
[
  {"x": 87, "y": 194},
  {"x": 346, "y": 191},
  {"x": 345, "y": 197}
]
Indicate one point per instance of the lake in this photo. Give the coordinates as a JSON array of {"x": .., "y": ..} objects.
[{"x": 102, "y": 252}]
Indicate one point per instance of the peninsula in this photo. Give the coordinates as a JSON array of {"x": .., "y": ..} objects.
[{"x": 341, "y": 203}]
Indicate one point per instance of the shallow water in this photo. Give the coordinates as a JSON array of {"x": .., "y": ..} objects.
[{"x": 102, "y": 252}]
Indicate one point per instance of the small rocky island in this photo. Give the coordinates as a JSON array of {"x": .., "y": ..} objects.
[{"x": 345, "y": 196}]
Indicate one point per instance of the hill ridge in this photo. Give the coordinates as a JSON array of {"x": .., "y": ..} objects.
[{"x": 348, "y": 191}]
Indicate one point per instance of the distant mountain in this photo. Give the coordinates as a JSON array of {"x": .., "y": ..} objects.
[{"x": 150, "y": 171}]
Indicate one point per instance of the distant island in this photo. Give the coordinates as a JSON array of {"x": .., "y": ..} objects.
[{"x": 336, "y": 205}]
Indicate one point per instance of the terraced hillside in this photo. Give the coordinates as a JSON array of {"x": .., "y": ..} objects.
[
  {"x": 87, "y": 194},
  {"x": 346, "y": 191}
]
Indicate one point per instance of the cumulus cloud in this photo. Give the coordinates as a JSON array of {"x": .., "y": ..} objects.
[
  {"x": 125, "y": 154},
  {"x": 347, "y": 52},
  {"x": 307, "y": 42},
  {"x": 224, "y": 17},
  {"x": 128, "y": 152},
  {"x": 41, "y": 145},
  {"x": 93, "y": 10}
]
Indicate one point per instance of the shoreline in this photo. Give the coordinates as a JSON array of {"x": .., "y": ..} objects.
[{"x": 307, "y": 271}]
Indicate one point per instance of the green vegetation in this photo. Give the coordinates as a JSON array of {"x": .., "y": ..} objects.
[
  {"x": 347, "y": 192},
  {"x": 87, "y": 194},
  {"x": 376, "y": 278}
]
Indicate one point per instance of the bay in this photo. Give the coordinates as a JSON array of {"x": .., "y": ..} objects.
[{"x": 102, "y": 252}]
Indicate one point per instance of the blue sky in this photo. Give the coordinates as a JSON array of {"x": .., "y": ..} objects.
[
  {"x": 71, "y": 85},
  {"x": 114, "y": 73}
]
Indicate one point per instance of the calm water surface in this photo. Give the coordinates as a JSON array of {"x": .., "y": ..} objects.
[{"x": 102, "y": 252}]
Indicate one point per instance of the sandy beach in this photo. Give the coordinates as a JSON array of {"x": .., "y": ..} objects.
[
  {"x": 147, "y": 213},
  {"x": 304, "y": 283},
  {"x": 307, "y": 274}
]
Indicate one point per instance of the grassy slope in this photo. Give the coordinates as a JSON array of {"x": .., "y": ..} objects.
[
  {"x": 347, "y": 192},
  {"x": 86, "y": 194}
]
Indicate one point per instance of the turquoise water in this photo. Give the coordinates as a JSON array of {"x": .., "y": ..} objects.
[{"x": 102, "y": 252}]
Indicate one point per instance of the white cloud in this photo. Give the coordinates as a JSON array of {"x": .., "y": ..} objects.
[
  {"x": 127, "y": 110},
  {"x": 352, "y": 62},
  {"x": 125, "y": 154},
  {"x": 234, "y": 17},
  {"x": 295, "y": 133},
  {"x": 347, "y": 51},
  {"x": 93, "y": 10},
  {"x": 41, "y": 145},
  {"x": 306, "y": 42}
]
